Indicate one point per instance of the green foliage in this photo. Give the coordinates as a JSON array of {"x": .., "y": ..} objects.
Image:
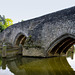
[
  {"x": 1, "y": 28},
  {"x": 4, "y": 23},
  {"x": 22, "y": 20},
  {"x": 2, "y": 19},
  {"x": 30, "y": 44},
  {"x": 8, "y": 22},
  {"x": 29, "y": 41}
]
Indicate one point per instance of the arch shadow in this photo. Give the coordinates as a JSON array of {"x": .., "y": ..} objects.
[
  {"x": 61, "y": 45},
  {"x": 20, "y": 39}
]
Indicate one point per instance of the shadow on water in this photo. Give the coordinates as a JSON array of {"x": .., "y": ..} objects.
[{"x": 37, "y": 66}]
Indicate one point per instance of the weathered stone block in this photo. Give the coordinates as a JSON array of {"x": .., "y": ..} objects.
[{"x": 33, "y": 52}]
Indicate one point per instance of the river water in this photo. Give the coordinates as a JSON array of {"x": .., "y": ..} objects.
[{"x": 37, "y": 66}]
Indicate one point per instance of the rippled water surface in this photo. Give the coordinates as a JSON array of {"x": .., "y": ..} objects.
[{"x": 37, "y": 66}]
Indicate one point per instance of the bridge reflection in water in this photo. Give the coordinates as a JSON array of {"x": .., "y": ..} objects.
[{"x": 37, "y": 66}]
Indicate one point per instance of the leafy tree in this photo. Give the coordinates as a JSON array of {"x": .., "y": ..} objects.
[
  {"x": 2, "y": 19},
  {"x": 1, "y": 27},
  {"x": 8, "y": 22},
  {"x": 4, "y": 23}
]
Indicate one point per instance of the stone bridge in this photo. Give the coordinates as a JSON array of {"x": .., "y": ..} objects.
[{"x": 54, "y": 32}]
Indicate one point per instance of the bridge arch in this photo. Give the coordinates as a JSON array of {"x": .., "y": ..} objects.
[
  {"x": 61, "y": 45},
  {"x": 20, "y": 39}
]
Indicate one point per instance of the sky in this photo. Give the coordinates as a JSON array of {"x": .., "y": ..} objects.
[{"x": 19, "y": 10}]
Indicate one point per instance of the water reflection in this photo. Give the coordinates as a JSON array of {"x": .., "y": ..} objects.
[
  {"x": 37, "y": 66},
  {"x": 5, "y": 72},
  {"x": 71, "y": 62}
]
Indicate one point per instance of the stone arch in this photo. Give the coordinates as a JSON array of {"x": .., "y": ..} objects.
[
  {"x": 20, "y": 39},
  {"x": 61, "y": 45}
]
